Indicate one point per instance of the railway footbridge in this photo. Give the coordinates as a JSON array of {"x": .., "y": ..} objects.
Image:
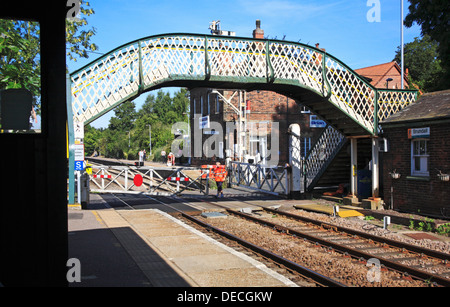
[{"x": 348, "y": 103}]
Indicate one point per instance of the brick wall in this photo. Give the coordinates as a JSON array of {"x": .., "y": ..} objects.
[
  {"x": 266, "y": 106},
  {"x": 428, "y": 195}
]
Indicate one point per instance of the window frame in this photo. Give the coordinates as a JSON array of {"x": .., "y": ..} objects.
[{"x": 424, "y": 158}]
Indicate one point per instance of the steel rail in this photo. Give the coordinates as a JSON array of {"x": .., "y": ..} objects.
[
  {"x": 344, "y": 249},
  {"x": 390, "y": 242},
  {"x": 318, "y": 278}
]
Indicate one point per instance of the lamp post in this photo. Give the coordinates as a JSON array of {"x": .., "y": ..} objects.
[
  {"x": 150, "y": 138},
  {"x": 402, "y": 48},
  {"x": 387, "y": 82}
]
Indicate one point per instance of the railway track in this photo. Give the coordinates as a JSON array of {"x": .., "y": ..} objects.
[
  {"x": 298, "y": 274},
  {"x": 337, "y": 253},
  {"x": 412, "y": 262}
]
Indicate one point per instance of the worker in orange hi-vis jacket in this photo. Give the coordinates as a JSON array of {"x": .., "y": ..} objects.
[{"x": 219, "y": 173}]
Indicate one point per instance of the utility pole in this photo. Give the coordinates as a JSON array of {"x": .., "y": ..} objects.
[
  {"x": 403, "y": 49},
  {"x": 150, "y": 138}
]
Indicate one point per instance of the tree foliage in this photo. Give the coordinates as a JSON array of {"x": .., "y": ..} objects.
[
  {"x": 78, "y": 36},
  {"x": 129, "y": 130},
  {"x": 19, "y": 56},
  {"x": 423, "y": 63},
  {"x": 20, "y": 65},
  {"x": 434, "y": 19}
]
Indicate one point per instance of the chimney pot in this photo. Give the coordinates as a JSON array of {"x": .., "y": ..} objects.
[{"x": 258, "y": 32}]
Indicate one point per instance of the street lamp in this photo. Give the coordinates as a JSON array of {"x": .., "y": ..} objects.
[{"x": 387, "y": 82}]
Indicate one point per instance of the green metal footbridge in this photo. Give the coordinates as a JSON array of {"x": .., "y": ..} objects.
[{"x": 348, "y": 103}]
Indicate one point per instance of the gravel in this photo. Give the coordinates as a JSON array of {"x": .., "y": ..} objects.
[
  {"x": 330, "y": 263},
  {"x": 366, "y": 226}
]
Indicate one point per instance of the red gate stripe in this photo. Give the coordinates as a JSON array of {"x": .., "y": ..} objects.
[
  {"x": 178, "y": 178},
  {"x": 103, "y": 176}
]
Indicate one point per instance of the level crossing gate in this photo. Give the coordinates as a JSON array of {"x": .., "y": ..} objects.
[
  {"x": 327, "y": 86},
  {"x": 148, "y": 180},
  {"x": 264, "y": 178}
]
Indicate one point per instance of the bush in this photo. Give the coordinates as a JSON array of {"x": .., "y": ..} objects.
[{"x": 444, "y": 229}]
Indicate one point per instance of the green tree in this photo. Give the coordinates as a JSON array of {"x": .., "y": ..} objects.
[
  {"x": 423, "y": 63},
  {"x": 91, "y": 140},
  {"x": 20, "y": 51},
  {"x": 434, "y": 19},
  {"x": 125, "y": 115},
  {"x": 128, "y": 130},
  {"x": 78, "y": 36},
  {"x": 19, "y": 56}
]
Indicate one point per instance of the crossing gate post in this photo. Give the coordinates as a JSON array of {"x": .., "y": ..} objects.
[
  {"x": 207, "y": 182},
  {"x": 295, "y": 159}
]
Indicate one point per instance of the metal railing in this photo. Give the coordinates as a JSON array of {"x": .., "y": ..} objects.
[
  {"x": 268, "y": 179},
  {"x": 321, "y": 155}
]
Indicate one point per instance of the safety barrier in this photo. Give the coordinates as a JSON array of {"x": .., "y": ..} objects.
[
  {"x": 147, "y": 180},
  {"x": 268, "y": 179}
]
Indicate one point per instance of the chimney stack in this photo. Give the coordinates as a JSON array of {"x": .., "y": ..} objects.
[{"x": 258, "y": 32}]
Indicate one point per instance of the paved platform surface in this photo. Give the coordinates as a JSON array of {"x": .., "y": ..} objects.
[{"x": 145, "y": 248}]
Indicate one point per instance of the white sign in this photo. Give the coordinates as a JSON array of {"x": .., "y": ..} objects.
[
  {"x": 78, "y": 150},
  {"x": 78, "y": 129},
  {"x": 211, "y": 132},
  {"x": 314, "y": 122},
  {"x": 416, "y": 133},
  {"x": 203, "y": 122}
]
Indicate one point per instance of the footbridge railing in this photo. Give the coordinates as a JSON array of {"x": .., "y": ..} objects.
[
  {"x": 322, "y": 154},
  {"x": 206, "y": 60}
]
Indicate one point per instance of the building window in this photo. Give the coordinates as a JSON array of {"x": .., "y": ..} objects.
[{"x": 419, "y": 158}]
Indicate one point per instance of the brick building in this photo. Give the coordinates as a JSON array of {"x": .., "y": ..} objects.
[
  {"x": 259, "y": 133},
  {"x": 419, "y": 151},
  {"x": 387, "y": 75},
  {"x": 266, "y": 119}
]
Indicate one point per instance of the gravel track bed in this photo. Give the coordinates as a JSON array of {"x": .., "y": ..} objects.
[
  {"x": 287, "y": 222},
  {"x": 364, "y": 226},
  {"x": 329, "y": 263}
]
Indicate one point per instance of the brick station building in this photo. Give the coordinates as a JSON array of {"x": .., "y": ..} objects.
[
  {"x": 419, "y": 152},
  {"x": 260, "y": 110}
]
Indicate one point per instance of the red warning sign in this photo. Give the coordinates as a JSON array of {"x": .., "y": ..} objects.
[{"x": 138, "y": 180}]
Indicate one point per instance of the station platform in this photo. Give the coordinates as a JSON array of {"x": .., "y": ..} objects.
[{"x": 150, "y": 248}]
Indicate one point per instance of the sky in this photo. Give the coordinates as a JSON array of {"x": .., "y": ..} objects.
[{"x": 341, "y": 27}]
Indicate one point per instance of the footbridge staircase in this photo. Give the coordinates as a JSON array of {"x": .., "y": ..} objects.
[{"x": 348, "y": 103}]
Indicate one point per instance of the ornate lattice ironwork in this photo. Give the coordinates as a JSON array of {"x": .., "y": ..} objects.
[
  {"x": 126, "y": 72},
  {"x": 327, "y": 146},
  {"x": 391, "y": 102}
]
